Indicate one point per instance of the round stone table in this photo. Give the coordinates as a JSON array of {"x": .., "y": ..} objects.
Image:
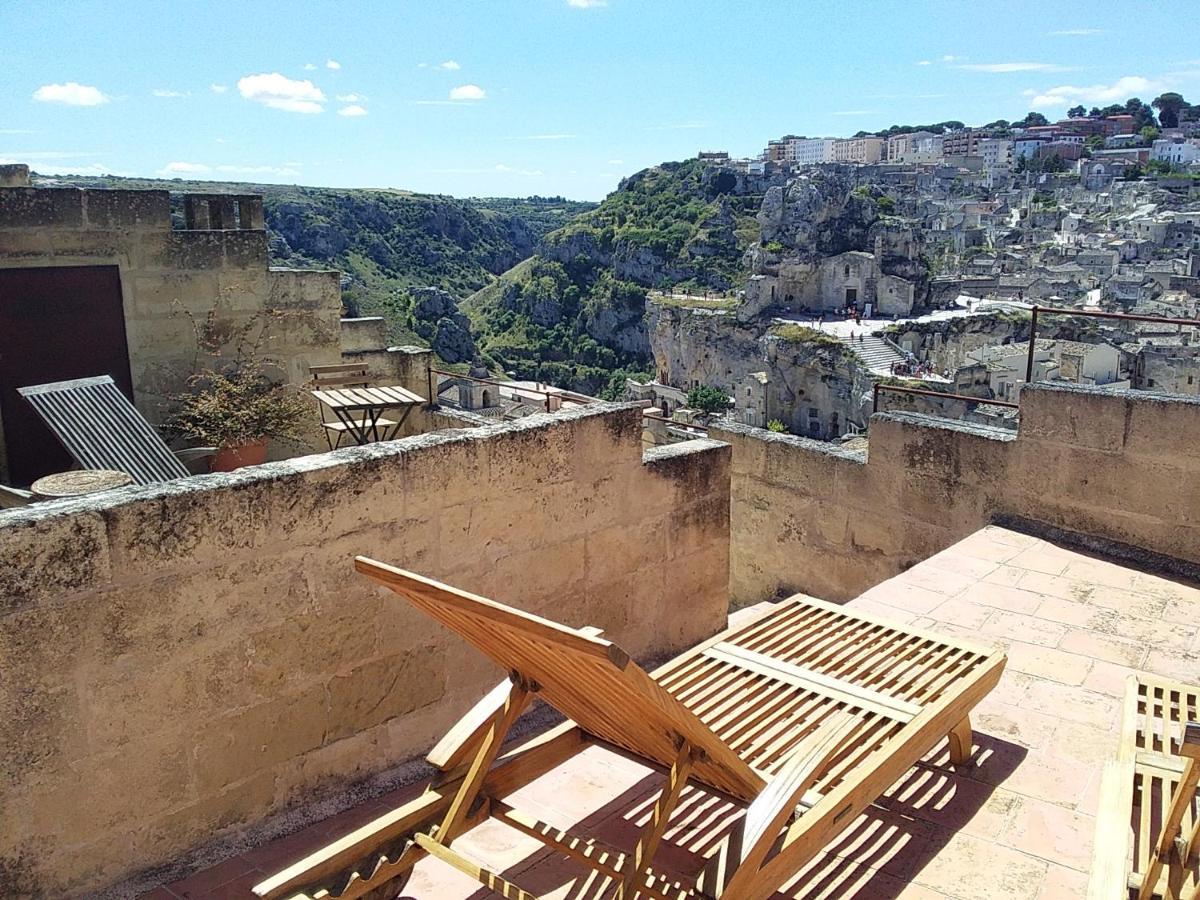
[{"x": 79, "y": 482}]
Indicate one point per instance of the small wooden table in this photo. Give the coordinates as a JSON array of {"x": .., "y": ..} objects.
[
  {"x": 359, "y": 408},
  {"x": 79, "y": 482}
]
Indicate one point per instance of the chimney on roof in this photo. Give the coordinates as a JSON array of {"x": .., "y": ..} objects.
[{"x": 14, "y": 175}]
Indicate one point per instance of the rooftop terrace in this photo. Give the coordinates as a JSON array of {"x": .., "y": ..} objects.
[{"x": 1017, "y": 821}]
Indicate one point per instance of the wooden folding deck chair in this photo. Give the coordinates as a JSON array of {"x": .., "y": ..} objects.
[
  {"x": 347, "y": 375},
  {"x": 1148, "y": 825},
  {"x": 804, "y": 717}
]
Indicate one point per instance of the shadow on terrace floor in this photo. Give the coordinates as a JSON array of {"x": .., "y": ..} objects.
[{"x": 876, "y": 858}]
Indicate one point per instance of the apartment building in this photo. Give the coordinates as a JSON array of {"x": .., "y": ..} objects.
[{"x": 860, "y": 151}]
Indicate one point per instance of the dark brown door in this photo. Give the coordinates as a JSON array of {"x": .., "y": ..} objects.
[{"x": 55, "y": 324}]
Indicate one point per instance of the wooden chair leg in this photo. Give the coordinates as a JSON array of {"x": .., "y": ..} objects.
[{"x": 960, "y": 742}]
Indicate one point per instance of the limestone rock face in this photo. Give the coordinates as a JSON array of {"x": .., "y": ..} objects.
[
  {"x": 621, "y": 328},
  {"x": 452, "y": 340},
  {"x": 316, "y": 240},
  {"x": 817, "y": 213},
  {"x": 436, "y": 318}
]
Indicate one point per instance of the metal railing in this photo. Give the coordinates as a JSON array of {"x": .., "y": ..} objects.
[
  {"x": 940, "y": 395},
  {"x": 1095, "y": 314}
]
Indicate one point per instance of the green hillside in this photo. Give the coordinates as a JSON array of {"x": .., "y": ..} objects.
[
  {"x": 385, "y": 241},
  {"x": 574, "y": 314}
]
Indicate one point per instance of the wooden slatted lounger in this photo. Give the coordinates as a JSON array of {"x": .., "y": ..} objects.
[
  {"x": 804, "y": 716},
  {"x": 1148, "y": 825}
]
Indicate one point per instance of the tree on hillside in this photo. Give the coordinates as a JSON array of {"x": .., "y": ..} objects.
[
  {"x": 1142, "y": 114},
  {"x": 1149, "y": 134},
  {"x": 1031, "y": 120},
  {"x": 1095, "y": 113},
  {"x": 1076, "y": 112},
  {"x": 707, "y": 399},
  {"x": 1169, "y": 106}
]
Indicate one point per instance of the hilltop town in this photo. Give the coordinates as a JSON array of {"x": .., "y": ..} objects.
[{"x": 913, "y": 258}]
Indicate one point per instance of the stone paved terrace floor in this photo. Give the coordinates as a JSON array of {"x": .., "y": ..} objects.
[{"x": 1016, "y": 822}]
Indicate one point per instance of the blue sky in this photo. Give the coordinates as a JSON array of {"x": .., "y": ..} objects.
[{"x": 519, "y": 97}]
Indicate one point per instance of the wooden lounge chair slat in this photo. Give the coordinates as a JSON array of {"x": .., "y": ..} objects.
[
  {"x": 598, "y": 856},
  {"x": 463, "y": 738},
  {"x": 813, "y": 681},
  {"x": 484, "y": 876},
  {"x": 587, "y": 679}
]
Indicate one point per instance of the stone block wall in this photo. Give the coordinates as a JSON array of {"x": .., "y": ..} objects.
[
  {"x": 807, "y": 516},
  {"x": 183, "y": 661}
]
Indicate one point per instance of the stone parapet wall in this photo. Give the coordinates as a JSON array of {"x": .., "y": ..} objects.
[
  {"x": 807, "y": 516},
  {"x": 185, "y": 660}
]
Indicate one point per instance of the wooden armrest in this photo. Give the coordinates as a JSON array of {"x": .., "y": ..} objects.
[{"x": 743, "y": 852}]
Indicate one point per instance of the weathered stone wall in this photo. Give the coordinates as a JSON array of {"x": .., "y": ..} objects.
[
  {"x": 812, "y": 517},
  {"x": 168, "y": 274},
  {"x": 181, "y": 661}
]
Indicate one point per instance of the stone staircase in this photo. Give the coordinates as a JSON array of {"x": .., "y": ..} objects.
[{"x": 875, "y": 352}]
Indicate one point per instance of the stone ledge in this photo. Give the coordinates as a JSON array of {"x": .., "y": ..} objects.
[{"x": 275, "y": 471}]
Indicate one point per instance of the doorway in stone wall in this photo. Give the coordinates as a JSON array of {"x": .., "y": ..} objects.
[{"x": 56, "y": 323}]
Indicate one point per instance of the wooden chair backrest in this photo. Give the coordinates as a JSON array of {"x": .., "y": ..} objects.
[
  {"x": 342, "y": 375},
  {"x": 588, "y": 679}
]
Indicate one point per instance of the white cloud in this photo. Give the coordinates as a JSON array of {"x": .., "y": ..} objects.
[
  {"x": 280, "y": 92},
  {"x": 1076, "y": 32},
  {"x": 162, "y": 92},
  {"x": 352, "y": 111},
  {"x": 17, "y": 131},
  {"x": 1010, "y": 67},
  {"x": 949, "y": 58},
  {"x": 1120, "y": 90},
  {"x": 924, "y": 62},
  {"x": 467, "y": 92},
  {"x": 72, "y": 94},
  {"x": 332, "y": 64},
  {"x": 218, "y": 88},
  {"x": 450, "y": 65},
  {"x": 175, "y": 169},
  {"x": 616, "y": 162},
  {"x": 587, "y": 4},
  {"x": 350, "y": 98},
  {"x": 310, "y": 67},
  {"x": 422, "y": 65}
]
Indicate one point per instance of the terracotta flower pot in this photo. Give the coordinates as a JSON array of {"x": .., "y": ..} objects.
[{"x": 229, "y": 458}]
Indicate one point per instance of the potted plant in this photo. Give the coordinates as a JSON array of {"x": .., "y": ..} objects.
[
  {"x": 231, "y": 403},
  {"x": 237, "y": 410}
]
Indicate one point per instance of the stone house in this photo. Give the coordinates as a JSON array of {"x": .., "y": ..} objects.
[
  {"x": 1167, "y": 363},
  {"x": 98, "y": 282},
  {"x": 1100, "y": 263}
]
